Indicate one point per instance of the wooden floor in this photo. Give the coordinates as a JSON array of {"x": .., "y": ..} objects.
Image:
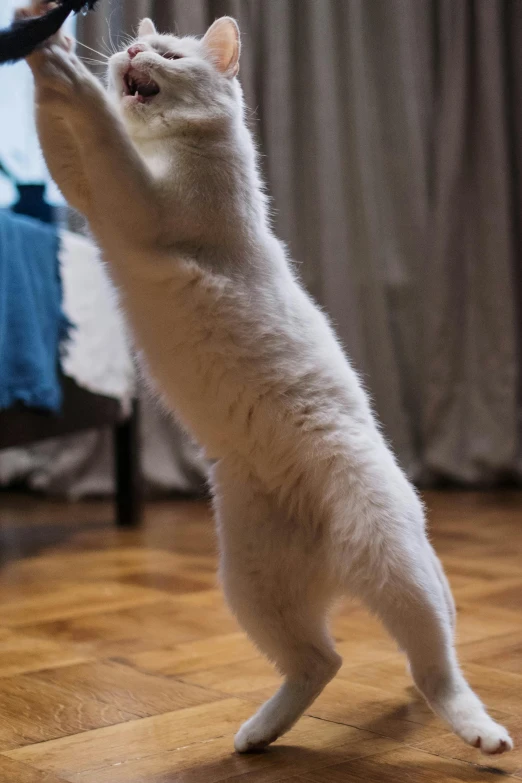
[{"x": 119, "y": 662}]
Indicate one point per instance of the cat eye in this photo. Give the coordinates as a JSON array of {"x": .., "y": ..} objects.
[{"x": 171, "y": 56}]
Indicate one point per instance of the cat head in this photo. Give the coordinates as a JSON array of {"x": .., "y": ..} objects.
[{"x": 162, "y": 81}]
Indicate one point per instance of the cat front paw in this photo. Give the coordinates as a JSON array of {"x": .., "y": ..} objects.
[
  {"x": 62, "y": 78},
  {"x": 39, "y": 8}
]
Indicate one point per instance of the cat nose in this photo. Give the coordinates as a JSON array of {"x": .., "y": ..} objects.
[{"x": 135, "y": 49}]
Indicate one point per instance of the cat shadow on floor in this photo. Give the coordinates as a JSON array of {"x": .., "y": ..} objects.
[{"x": 286, "y": 760}]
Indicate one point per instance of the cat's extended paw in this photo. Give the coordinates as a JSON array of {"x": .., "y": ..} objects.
[
  {"x": 35, "y": 8},
  {"x": 490, "y": 737},
  {"x": 38, "y": 8},
  {"x": 62, "y": 78}
]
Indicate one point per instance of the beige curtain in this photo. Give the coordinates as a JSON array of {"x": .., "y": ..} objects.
[{"x": 390, "y": 132}]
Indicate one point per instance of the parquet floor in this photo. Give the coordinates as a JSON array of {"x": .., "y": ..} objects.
[{"x": 119, "y": 662}]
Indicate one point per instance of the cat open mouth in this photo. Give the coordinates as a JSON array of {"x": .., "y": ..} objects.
[{"x": 139, "y": 85}]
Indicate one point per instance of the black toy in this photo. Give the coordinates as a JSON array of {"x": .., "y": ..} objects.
[{"x": 25, "y": 35}]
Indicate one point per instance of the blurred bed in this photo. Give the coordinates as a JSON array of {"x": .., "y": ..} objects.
[
  {"x": 90, "y": 447},
  {"x": 66, "y": 360}
]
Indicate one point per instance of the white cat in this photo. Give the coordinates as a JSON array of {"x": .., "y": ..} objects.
[{"x": 309, "y": 501}]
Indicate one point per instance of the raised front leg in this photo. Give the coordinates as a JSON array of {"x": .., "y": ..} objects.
[
  {"x": 63, "y": 157},
  {"x": 56, "y": 138},
  {"x": 123, "y": 192}
]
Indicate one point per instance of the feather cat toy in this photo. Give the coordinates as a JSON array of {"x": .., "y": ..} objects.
[{"x": 25, "y": 34}]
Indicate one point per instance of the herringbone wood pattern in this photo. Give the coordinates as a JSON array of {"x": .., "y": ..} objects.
[{"x": 119, "y": 662}]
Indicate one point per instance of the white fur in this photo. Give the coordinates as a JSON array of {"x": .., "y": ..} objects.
[{"x": 310, "y": 502}]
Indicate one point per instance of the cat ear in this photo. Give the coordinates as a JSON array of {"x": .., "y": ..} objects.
[
  {"x": 146, "y": 28},
  {"x": 223, "y": 44}
]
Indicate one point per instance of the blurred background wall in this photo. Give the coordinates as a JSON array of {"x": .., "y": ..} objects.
[{"x": 390, "y": 134}]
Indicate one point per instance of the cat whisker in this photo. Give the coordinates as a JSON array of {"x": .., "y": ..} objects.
[
  {"x": 91, "y": 61},
  {"x": 110, "y": 48},
  {"x": 106, "y": 47},
  {"x": 111, "y": 42},
  {"x": 125, "y": 40},
  {"x": 101, "y": 54}
]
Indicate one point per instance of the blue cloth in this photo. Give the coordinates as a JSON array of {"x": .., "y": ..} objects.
[{"x": 32, "y": 324}]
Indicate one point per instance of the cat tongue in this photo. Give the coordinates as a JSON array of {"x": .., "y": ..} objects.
[{"x": 147, "y": 89}]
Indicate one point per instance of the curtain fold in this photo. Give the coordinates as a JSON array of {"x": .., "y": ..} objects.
[
  {"x": 469, "y": 314},
  {"x": 391, "y": 138}
]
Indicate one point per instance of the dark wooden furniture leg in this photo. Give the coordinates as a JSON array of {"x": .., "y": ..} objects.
[
  {"x": 127, "y": 470},
  {"x": 81, "y": 411}
]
